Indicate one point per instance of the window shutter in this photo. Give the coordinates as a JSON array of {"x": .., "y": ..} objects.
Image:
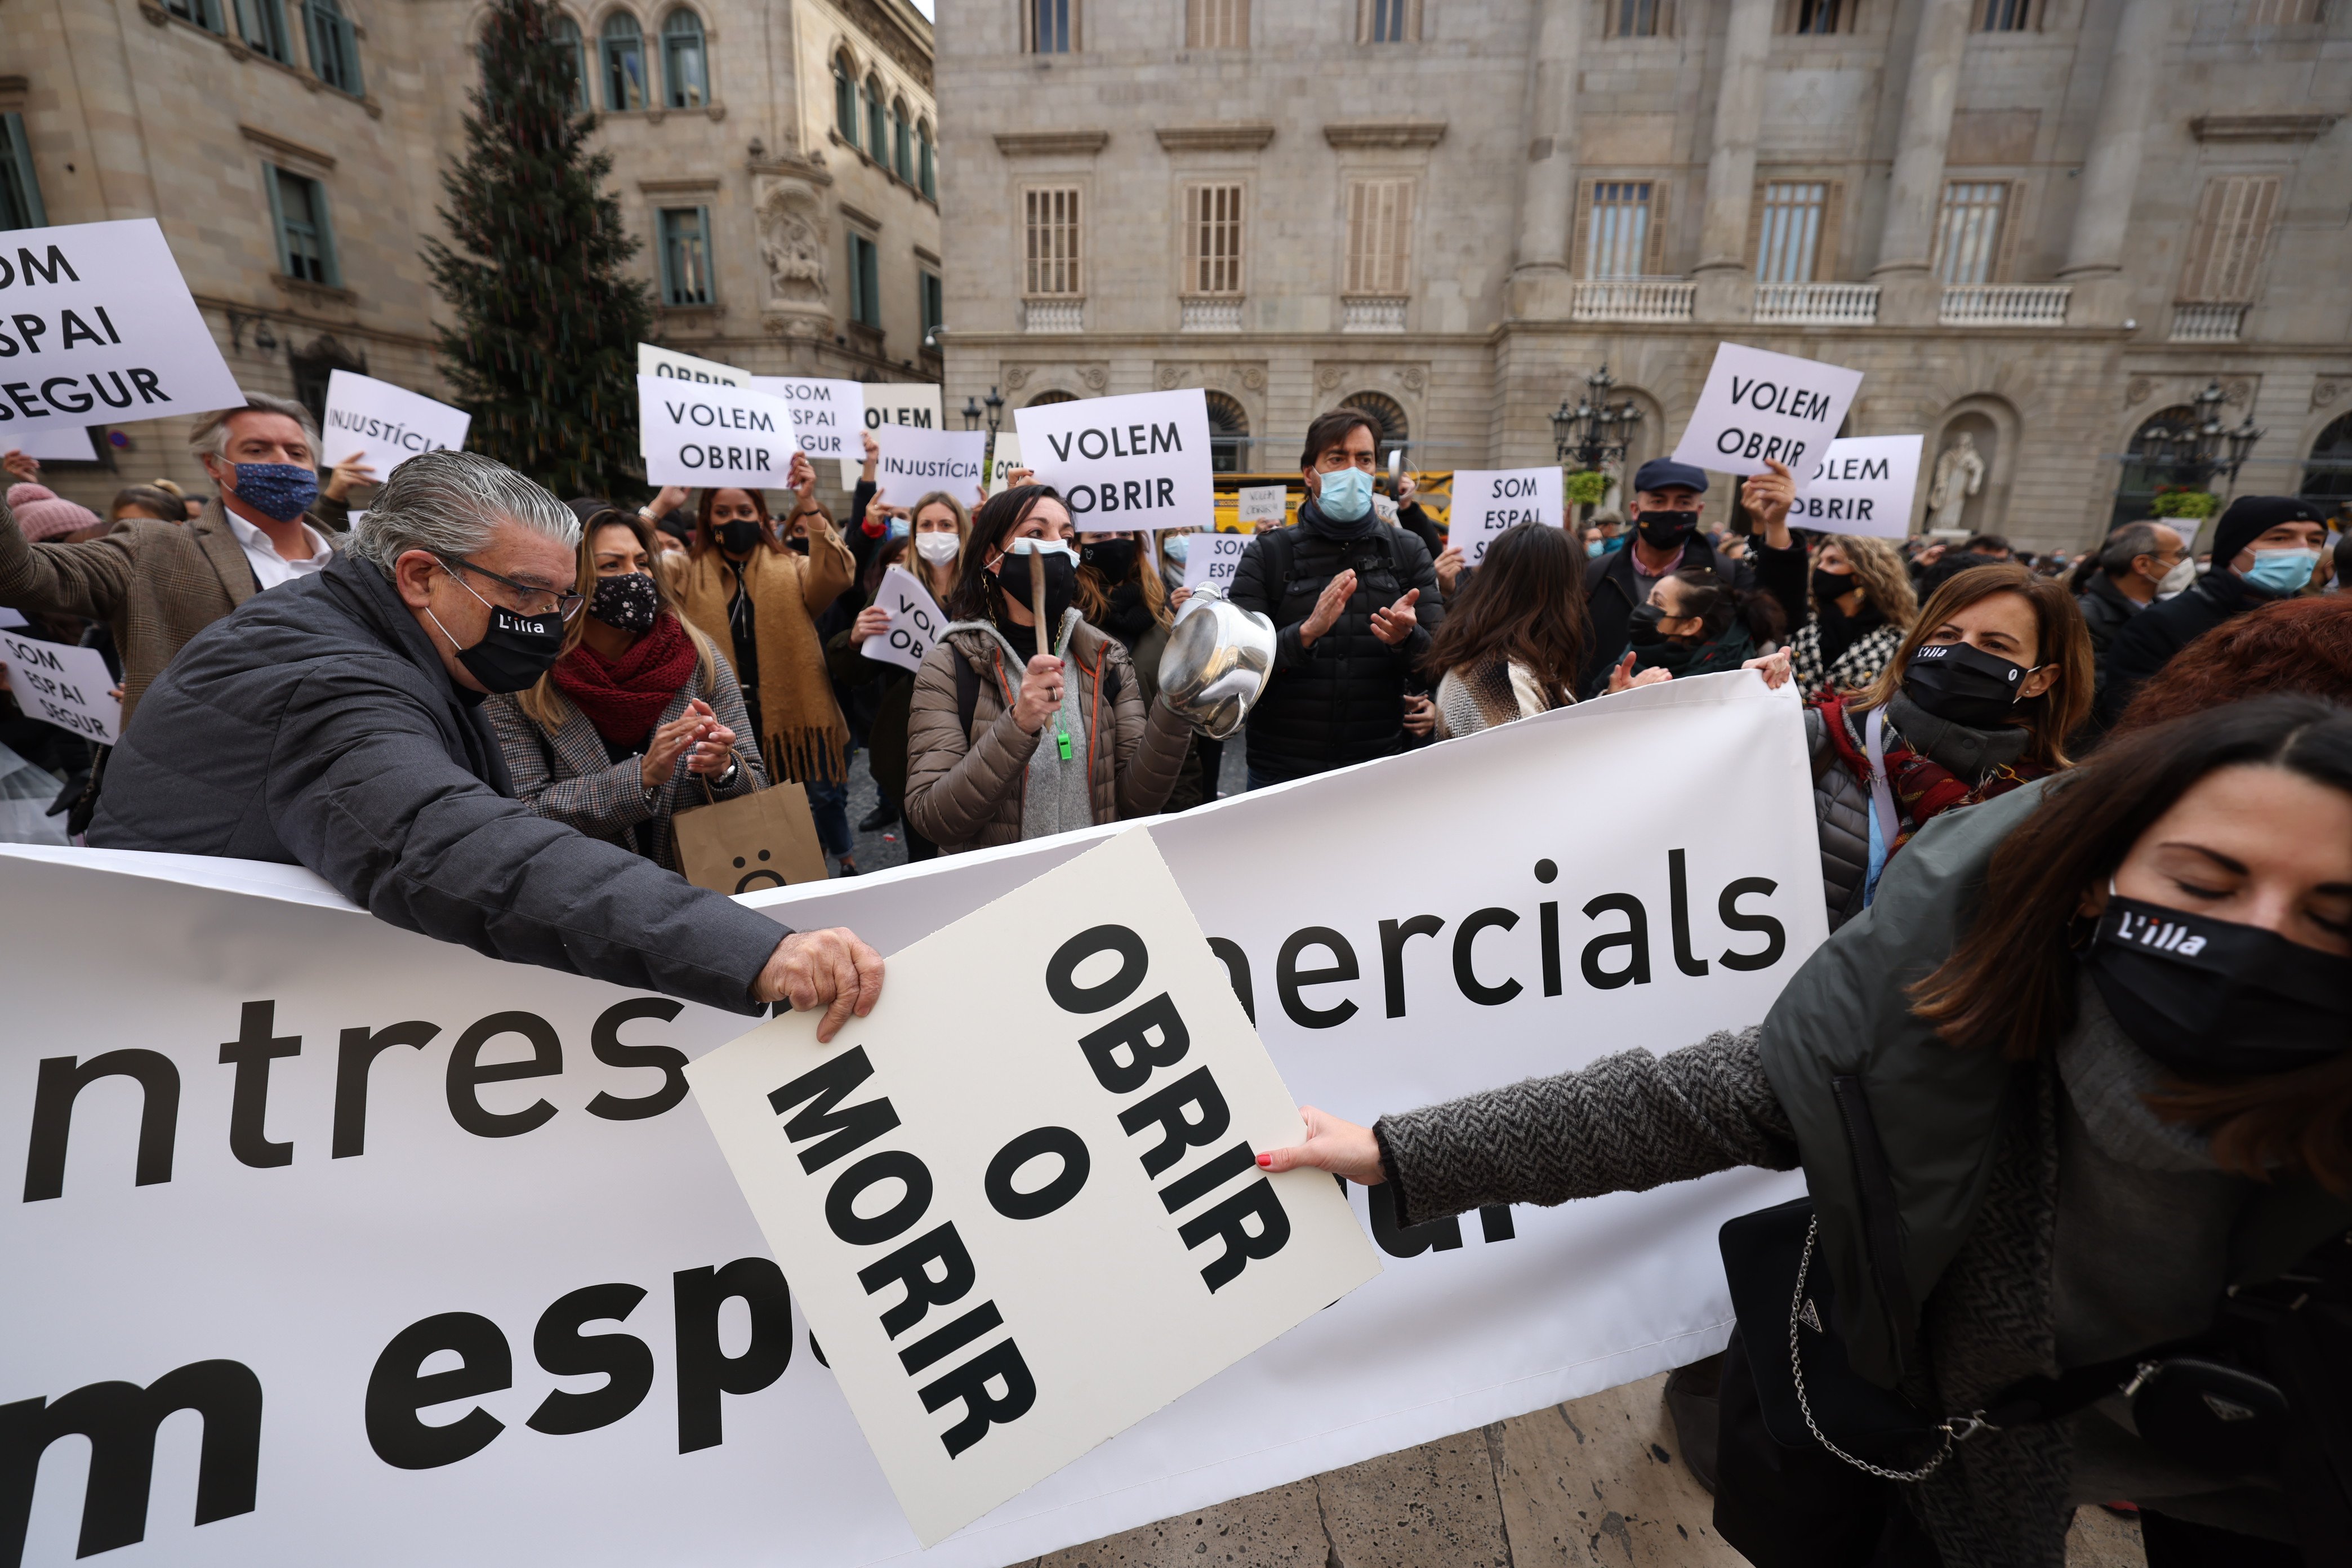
[
  {"x": 277, "y": 219},
  {"x": 1756, "y": 228},
  {"x": 326, "y": 221},
  {"x": 1653, "y": 259},
  {"x": 1825, "y": 254},
  {"x": 1579, "y": 232}
]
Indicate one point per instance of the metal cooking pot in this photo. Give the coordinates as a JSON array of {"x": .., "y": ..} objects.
[{"x": 1219, "y": 658}]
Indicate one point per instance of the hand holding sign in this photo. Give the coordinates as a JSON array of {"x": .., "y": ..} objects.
[
  {"x": 906, "y": 621},
  {"x": 1757, "y": 405},
  {"x": 68, "y": 687},
  {"x": 1487, "y": 501}
]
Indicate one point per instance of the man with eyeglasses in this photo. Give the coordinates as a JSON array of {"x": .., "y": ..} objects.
[{"x": 337, "y": 722}]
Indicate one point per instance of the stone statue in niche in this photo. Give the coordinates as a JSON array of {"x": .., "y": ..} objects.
[
  {"x": 791, "y": 245},
  {"x": 1959, "y": 474}
]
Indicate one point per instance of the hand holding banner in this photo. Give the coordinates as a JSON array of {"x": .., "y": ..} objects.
[
  {"x": 1489, "y": 500},
  {"x": 1138, "y": 461},
  {"x": 68, "y": 687},
  {"x": 915, "y": 620},
  {"x": 1757, "y": 405},
  {"x": 712, "y": 434},
  {"x": 365, "y": 415},
  {"x": 1073, "y": 1190},
  {"x": 828, "y": 414},
  {"x": 1862, "y": 485}
]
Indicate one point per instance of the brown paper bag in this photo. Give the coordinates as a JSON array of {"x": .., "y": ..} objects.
[{"x": 764, "y": 839}]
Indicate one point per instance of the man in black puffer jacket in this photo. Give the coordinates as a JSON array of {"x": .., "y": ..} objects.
[
  {"x": 1354, "y": 600},
  {"x": 1666, "y": 539}
]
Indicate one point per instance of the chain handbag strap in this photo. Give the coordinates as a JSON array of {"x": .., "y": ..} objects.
[{"x": 1957, "y": 1429}]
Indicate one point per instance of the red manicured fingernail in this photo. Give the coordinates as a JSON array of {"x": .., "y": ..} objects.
[{"x": 1266, "y": 1159}]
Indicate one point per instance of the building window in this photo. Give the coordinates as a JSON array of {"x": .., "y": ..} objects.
[
  {"x": 686, "y": 256},
  {"x": 902, "y": 144},
  {"x": 685, "y": 63},
  {"x": 2233, "y": 231},
  {"x": 1790, "y": 241},
  {"x": 2006, "y": 16},
  {"x": 935, "y": 312},
  {"x": 1967, "y": 230},
  {"x": 1634, "y": 18},
  {"x": 864, "y": 281},
  {"x": 334, "y": 45},
  {"x": 1228, "y": 435},
  {"x": 624, "y": 62},
  {"x": 1617, "y": 230},
  {"x": 845, "y": 99},
  {"x": 306, "y": 240},
  {"x": 1379, "y": 236},
  {"x": 2328, "y": 477},
  {"x": 925, "y": 162},
  {"x": 1212, "y": 239},
  {"x": 2282, "y": 12},
  {"x": 877, "y": 123},
  {"x": 205, "y": 14},
  {"x": 1388, "y": 21},
  {"x": 1388, "y": 414},
  {"x": 564, "y": 38},
  {"x": 1821, "y": 17},
  {"x": 1216, "y": 23},
  {"x": 1050, "y": 218},
  {"x": 262, "y": 24},
  {"x": 1051, "y": 27},
  {"x": 20, "y": 193}
]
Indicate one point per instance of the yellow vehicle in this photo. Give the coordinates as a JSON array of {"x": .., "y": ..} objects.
[{"x": 1434, "y": 489}]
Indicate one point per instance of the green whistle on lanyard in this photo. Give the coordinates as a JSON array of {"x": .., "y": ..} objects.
[{"x": 1061, "y": 741}]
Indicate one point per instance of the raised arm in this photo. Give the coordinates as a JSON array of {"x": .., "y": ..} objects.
[{"x": 86, "y": 579}]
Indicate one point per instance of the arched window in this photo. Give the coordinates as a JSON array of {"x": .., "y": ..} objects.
[
  {"x": 1228, "y": 435},
  {"x": 902, "y": 147},
  {"x": 1053, "y": 395},
  {"x": 624, "y": 62},
  {"x": 685, "y": 69},
  {"x": 2328, "y": 477},
  {"x": 571, "y": 50},
  {"x": 2135, "y": 490},
  {"x": 925, "y": 162},
  {"x": 845, "y": 99},
  {"x": 1393, "y": 431},
  {"x": 877, "y": 122},
  {"x": 1821, "y": 17}
]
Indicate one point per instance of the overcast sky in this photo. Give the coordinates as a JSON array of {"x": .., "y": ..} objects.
[{"x": 924, "y": 6}]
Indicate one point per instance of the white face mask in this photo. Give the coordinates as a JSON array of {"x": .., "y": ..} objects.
[
  {"x": 938, "y": 549},
  {"x": 2183, "y": 573}
]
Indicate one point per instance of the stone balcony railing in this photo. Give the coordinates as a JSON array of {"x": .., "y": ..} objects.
[
  {"x": 1633, "y": 300},
  {"x": 1371, "y": 314},
  {"x": 1054, "y": 316},
  {"x": 2004, "y": 305},
  {"x": 1816, "y": 304},
  {"x": 2207, "y": 321},
  {"x": 1218, "y": 315}
]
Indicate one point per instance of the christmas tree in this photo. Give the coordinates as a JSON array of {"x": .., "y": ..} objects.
[{"x": 544, "y": 353}]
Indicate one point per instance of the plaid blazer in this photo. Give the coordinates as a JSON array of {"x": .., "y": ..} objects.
[
  {"x": 156, "y": 583},
  {"x": 564, "y": 773}
]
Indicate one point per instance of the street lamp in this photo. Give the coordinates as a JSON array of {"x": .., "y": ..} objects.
[
  {"x": 1595, "y": 433},
  {"x": 970, "y": 414},
  {"x": 995, "y": 400},
  {"x": 2192, "y": 455}
]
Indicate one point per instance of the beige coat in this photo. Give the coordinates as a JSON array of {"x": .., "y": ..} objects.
[
  {"x": 802, "y": 732},
  {"x": 965, "y": 792}
]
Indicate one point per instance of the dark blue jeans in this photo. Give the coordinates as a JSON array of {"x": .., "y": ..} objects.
[{"x": 829, "y": 804}]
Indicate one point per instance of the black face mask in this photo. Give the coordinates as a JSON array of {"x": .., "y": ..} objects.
[
  {"x": 1963, "y": 685},
  {"x": 1061, "y": 586},
  {"x": 1112, "y": 559},
  {"x": 626, "y": 603},
  {"x": 516, "y": 651},
  {"x": 2205, "y": 996},
  {"x": 737, "y": 535},
  {"x": 1831, "y": 586},
  {"x": 1668, "y": 529},
  {"x": 1641, "y": 628},
  {"x": 798, "y": 544}
]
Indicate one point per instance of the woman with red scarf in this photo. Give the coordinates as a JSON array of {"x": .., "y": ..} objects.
[{"x": 639, "y": 716}]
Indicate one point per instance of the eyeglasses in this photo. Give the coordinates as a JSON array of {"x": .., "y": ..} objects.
[{"x": 532, "y": 600}]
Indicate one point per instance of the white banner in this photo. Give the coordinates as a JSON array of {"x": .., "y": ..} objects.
[
  {"x": 57, "y": 444},
  {"x": 390, "y": 1241},
  {"x": 1003, "y": 459},
  {"x": 68, "y": 687},
  {"x": 1105, "y": 1276},
  {"x": 1263, "y": 506},
  {"x": 1862, "y": 485},
  {"x": 915, "y": 620},
  {"x": 654, "y": 359},
  {"x": 1757, "y": 405},
  {"x": 915, "y": 462},
  {"x": 909, "y": 403},
  {"x": 1137, "y": 462},
  {"x": 1489, "y": 500},
  {"x": 695, "y": 433},
  {"x": 98, "y": 324},
  {"x": 388, "y": 422},
  {"x": 1214, "y": 558},
  {"x": 829, "y": 414}
]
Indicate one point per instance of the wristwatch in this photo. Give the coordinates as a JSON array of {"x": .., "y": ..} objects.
[{"x": 734, "y": 767}]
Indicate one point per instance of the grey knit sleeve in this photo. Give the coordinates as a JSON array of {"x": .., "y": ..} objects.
[{"x": 1626, "y": 1123}]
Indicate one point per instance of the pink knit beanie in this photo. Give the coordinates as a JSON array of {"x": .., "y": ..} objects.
[{"x": 42, "y": 513}]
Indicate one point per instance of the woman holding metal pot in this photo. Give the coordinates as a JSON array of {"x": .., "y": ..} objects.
[
  {"x": 1015, "y": 735},
  {"x": 2075, "y": 1109}
]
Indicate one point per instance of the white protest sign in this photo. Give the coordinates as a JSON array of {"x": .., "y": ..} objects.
[
  {"x": 829, "y": 414},
  {"x": 1003, "y": 459},
  {"x": 654, "y": 359},
  {"x": 1212, "y": 559},
  {"x": 59, "y": 443},
  {"x": 1489, "y": 500},
  {"x": 1080, "y": 1170},
  {"x": 1757, "y": 405},
  {"x": 68, "y": 687},
  {"x": 429, "y": 1162},
  {"x": 1862, "y": 485},
  {"x": 390, "y": 424},
  {"x": 703, "y": 433},
  {"x": 1137, "y": 462},
  {"x": 915, "y": 620},
  {"x": 914, "y": 461},
  {"x": 1263, "y": 506},
  {"x": 908, "y": 403},
  {"x": 97, "y": 323}
]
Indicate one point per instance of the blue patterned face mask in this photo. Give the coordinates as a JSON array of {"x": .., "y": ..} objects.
[{"x": 283, "y": 491}]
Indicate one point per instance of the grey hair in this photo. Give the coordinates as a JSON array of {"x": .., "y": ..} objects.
[
  {"x": 210, "y": 436},
  {"x": 2127, "y": 544},
  {"x": 450, "y": 503}
]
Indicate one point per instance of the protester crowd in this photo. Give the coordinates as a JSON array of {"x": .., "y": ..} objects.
[{"x": 485, "y": 712}]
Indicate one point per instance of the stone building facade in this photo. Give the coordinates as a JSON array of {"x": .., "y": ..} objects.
[
  {"x": 2044, "y": 224},
  {"x": 777, "y": 164}
]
